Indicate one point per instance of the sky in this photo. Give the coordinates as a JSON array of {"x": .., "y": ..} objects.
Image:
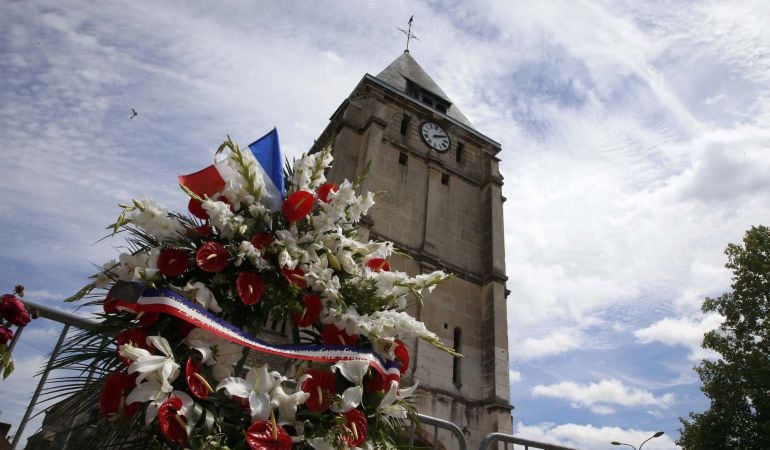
[{"x": 635, "y": 140}]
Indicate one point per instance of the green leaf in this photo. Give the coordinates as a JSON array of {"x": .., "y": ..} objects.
[
  {"x": 8, "y": 369},
  {"x": 85, "y": 290}
]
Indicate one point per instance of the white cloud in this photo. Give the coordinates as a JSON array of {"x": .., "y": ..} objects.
[
  {"x": 681, "y": 331},
  {"x": 589, "y": 436},
  {"x": 514, "y": 376},
  {"x": 602, "y": 394},
  {"x": 558, "y": 342}
]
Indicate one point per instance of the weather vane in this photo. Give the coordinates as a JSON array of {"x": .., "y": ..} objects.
[{"x": 408, "y": 33}]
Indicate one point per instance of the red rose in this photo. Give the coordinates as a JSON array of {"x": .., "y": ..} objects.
[
  {"x": 321, "y": 386},
  {"x": 5, "y": 335},
  {"x": 261, "y": 240},
  {"x": 250, "y": 287},
  {"x": 311, "y": 310},
  {"x": 172, "y": 425},
  {"x": 295, "y": 277},
  {"x": 331, "y": 335},
  {"x": 112, "y": 400},
  {"x": 13, "y": 310},
  {"x": 402, "y": 356},
  {"x": 196, "y": 209},
  {"x": 198, "y": 385},
  {"x": 378, "y": 264},
  {"x": 267, "y": 435},
  {"x": 324, "y": 190},
  {"x": 172, "y": 262},
  {"x": 297, "y": 206},
  {"x": 355, "y": 421},
  {"x": 212, "y": 257}
]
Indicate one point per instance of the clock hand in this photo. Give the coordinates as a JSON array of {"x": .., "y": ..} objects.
[{"x": 439, "y": 135}]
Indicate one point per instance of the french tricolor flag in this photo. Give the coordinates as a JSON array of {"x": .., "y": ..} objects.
[{"x": 267, "y": 151}]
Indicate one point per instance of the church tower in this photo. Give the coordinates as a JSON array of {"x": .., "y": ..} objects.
[{"x": 441, "y": 203}]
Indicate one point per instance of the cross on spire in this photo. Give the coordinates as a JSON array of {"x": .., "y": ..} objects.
[{"x": 409, "y": 34}]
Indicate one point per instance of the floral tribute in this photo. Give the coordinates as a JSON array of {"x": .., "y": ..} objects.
[
  {"x": 189, "y": 298},
  {"x": 13, "y": 312}
]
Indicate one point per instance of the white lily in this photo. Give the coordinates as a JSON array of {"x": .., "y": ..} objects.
[
  {"x": 353, "y": 370},
  {"x": 218, "y": 353},
  {"x": 156, "y": 373},
  {"x": 256, "y": 387},
  {"x": 287, "y": 403},
  {"x": 350, "y": 400},
  {"x": 146, "y": 363},
  {"x": 320, "y": 443},
  {"x": 202, "y": 295},
  {"x": 388, "y": 405}
]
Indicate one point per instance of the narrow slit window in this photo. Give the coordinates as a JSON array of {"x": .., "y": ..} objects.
[
  {"x": 403, "y": 158},
  {"x": 445, "y": 178},
  {"x": 456, "y": 368},
  {"x": 459, "y": 153},
  {"x": 405, "y": 123}
]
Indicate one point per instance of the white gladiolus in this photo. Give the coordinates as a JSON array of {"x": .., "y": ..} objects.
[
  {"x": 247, "y": 251},
  {"x": 154, "y": 219},
  {"x": 220, "y": 215}
]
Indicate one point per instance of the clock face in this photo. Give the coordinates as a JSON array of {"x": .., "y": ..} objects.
[{"x": 435, "y": 136}]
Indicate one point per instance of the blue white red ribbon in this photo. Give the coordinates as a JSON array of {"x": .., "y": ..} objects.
[{"x": 169, "y": 302}]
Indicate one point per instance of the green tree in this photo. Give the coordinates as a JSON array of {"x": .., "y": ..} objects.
[{"x": 738, "y": 383}]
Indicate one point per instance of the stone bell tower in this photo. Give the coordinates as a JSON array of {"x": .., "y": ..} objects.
[{"x": 441, "y": 203}]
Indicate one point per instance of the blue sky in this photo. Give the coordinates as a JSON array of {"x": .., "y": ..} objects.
[{"x": 635, "y": 147}]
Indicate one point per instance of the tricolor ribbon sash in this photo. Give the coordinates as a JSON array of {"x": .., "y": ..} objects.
[{"x": 169, "y": 302}]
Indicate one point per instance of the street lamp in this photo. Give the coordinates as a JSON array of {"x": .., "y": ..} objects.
[{"x": 657, "y": 434}]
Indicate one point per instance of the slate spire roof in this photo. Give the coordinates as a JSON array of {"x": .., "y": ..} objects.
[{"x": 405, "y": 69}]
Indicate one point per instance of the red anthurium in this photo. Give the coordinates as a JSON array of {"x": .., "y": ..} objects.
[
  {"x": 321, "y": 386},
  {"x": 297, "y": 206},
  {"x": 172, "y": 425},
  {"x": 250, "y": 287},
  {"x": 112, "y": 400},
  {"x": 295, "y": 277},
  {"x": 212, "y": 257},
  {"x": 311, "y": 310},
  {"x": 172, "y": 262},
  {"x": 196, "y": 209},
  {"x": 378, "y": 264},
  {"x": 198, "y": 385},
  {"x": 136, "y": 337},
  {"x": 402, "y": 356},
  {"x": 204, "y": 230},
  {"x": 261, "y": 240},
  {"x": 267, "y": 435},
  {"x": 331, "y": 335},
  {"x": 324, "y": 190},
  {"x": 13, "y": 310},
  {"x": 355, "y": 421}
]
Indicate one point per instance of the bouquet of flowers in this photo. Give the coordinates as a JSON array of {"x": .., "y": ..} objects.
[
  {"x": 12, "y": 312},
  {"x": 188, "y": 300}
]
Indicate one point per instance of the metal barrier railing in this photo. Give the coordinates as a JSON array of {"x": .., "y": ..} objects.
[
  {"x": 68, "y": 320},
  {"x": 506, "y": 439},
  {"x": 438, "y": 425}
]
